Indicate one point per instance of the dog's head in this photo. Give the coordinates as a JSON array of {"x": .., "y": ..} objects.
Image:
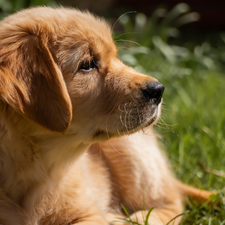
[{"x": 59, "y": 68}]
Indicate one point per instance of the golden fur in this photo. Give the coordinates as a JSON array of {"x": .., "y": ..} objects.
[{"x": 62, "y": 90}]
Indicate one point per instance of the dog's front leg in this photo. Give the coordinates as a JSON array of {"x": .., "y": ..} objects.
[
  {"x": 77, "y": 220},
  {"x": 74, "y": 216}
]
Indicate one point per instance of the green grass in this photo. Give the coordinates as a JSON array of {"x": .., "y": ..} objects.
[
  {"x": 194, "y": 108},
  {"x": 192, "y": 129}
]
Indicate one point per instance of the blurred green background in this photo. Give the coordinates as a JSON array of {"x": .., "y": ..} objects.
[{"x": 185, "y": 50}]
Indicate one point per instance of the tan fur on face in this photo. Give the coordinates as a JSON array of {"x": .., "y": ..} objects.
[{"x": 53, "y": 112}]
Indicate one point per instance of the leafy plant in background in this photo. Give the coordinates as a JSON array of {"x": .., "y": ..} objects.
[
  {"x": 162, "y": 23},
  {"x": 153, "y": 34}
]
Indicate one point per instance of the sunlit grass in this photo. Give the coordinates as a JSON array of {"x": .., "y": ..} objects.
[
  {"x": 192, "y": 129},
  {"x": 195, "y": 110}
]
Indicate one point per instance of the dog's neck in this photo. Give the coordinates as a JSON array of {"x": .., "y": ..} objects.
[{"x": 30, "y": 157}]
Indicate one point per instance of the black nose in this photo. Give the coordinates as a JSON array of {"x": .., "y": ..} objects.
[{"x": 153, "y": 91}]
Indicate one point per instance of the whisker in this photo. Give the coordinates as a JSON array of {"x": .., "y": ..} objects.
[
  {"x": 138, "y": 114},
  {"x": 125, "y": 117},
  {"x": 121, "y": 17},
  {"x": 125, "y": 34},
  {"x": 165, "y": 123},
  {"x": 133, "y": 98},
  {"x": 170, "y": 129},
  {"x": 129, "y": 41},
  {"x": 121, "y": 120},
  {"x": 129, "y": 116},
  {"x": 159, "y": 137},
  {"x": 120, "y": 109}
]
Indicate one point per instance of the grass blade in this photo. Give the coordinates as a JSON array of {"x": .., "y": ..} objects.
[
  {"x": 148, "y": 214},
  {"x": 177, "y": 217}
]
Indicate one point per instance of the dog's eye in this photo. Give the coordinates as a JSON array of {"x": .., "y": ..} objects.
[{"x": 88, "y": 65}]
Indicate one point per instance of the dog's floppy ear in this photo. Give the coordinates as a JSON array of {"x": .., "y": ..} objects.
[{"x": 30, "y": 80}]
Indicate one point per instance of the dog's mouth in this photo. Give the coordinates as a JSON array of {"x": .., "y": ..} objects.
[
  {"x": 130, "y": 119},
  {"x": 144, "y": 111},
  {"x": 147, "y": 117}
]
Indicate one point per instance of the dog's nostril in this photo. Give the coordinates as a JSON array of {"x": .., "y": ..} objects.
[{"x": 154, "y": 91}]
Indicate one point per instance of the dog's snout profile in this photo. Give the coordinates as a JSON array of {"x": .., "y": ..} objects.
[{"x": 153, "y": 91}]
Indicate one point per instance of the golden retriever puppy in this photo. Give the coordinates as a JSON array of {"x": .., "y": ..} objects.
[{"x": 70, "y": 112}]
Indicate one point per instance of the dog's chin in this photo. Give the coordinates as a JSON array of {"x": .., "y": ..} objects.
[
  {"x": 147, "y": 122},
  {"x": 102, "y": 135}
]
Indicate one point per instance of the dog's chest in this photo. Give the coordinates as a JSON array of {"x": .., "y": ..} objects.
[{"x": 97, "y": 179}]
